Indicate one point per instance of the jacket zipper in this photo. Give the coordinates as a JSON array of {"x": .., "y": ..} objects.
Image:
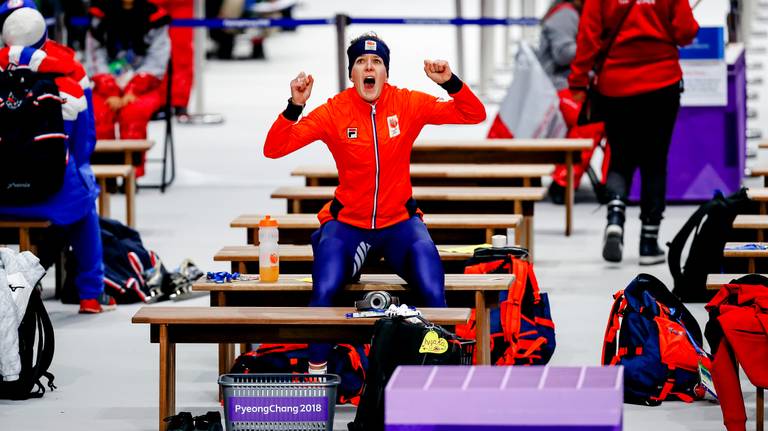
[{"x": 376, "y": 183}]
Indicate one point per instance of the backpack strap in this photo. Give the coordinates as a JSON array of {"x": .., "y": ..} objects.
[
  {"x": 678, "y": 243},
  {"x": 610, "y": 355},
  {"x": 511, "y": 309},
  {"x": 660, "y": 292},
  {"x": 45, "y": 346}
]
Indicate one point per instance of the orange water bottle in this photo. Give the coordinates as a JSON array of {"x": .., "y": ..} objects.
[{"x": 269, "y": 253}]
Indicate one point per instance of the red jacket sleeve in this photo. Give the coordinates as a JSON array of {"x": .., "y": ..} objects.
[
  {"x": 105, "y": 85},
  {"x": 684, "y": 25},
  {"x": 286, "y": 136},
  {"x": 465, "y": 108},
  {"x": 588, "y": 44},
  {"x": 142, "y": 83}
]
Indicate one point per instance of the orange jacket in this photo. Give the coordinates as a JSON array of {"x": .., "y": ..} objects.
[{"x": 374, "y": 166}]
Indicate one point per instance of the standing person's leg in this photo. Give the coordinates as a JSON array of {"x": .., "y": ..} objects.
[
  {"x": 662, "y": 107},
  {"x": 339, "y": 251},
  {"x": 410, "y": 251},
  {"x": 85, "y": 238},
  {"x": 620, "y": 128}
]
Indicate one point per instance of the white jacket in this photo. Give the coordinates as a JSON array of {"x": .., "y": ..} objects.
[{"x": 19, "y": 274}]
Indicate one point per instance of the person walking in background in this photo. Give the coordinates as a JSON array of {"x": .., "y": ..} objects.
[
  {"x": 638, "y": 86},
  {"x": 557, "y": 48}
]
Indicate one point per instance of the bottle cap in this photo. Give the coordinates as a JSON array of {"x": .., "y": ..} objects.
[{"x": 267, "y": 222}]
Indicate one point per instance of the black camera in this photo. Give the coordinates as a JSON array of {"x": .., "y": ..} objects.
[{"x": 376, "y": 300}]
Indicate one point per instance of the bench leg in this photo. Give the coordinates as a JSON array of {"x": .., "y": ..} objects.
[
  {"x": 24, "y": 242},
  {"x": 482, "y": 330},
  {"x": 103, "y": 198},
  {"x": 751, "y": 265},
  {"x": 130, "y": 199},
  {"x": 226, "y": 358},
  {"x": 569, "y": 192},
  {"x": 528, "y": 226},
  {"x": 759, "y": 410},
  {"x": 167, "y": 377}
]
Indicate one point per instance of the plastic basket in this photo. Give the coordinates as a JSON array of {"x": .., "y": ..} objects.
[
  {"x": 256, "y": 402},
  {"x": 467, "y": 351}
]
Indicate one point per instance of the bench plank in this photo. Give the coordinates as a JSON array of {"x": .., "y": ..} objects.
[
  {"x": 716, "y": 281},
  {"x": 132, "y": 150},
  {"x": 277, "y": 316},
  {"x": 455, "y": 228},
  {"x": 731, "y": 250},
  {"x": 452, "y": 174},
  {"x": 428, "y": 193},
  {"x": 297, "y": 259}
]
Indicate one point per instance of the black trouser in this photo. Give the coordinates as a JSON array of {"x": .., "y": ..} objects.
[{"x": 639, "y": 130}]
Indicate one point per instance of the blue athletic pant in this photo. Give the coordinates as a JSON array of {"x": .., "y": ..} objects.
[
  {"x": 340, "y": 251},
  {"x": 84, "y": 236}
]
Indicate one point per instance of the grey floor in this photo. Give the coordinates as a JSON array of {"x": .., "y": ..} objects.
[{"x": 106, "y": 369}]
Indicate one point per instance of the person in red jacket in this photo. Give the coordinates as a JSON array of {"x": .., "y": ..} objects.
[
  {"x": 639, "y": 86},
  {"x": 370, "y": 129},
  {"x": 128, "y": 57}
]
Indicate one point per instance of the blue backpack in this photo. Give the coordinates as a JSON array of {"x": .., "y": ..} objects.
[{"x": 657, "y": 340}]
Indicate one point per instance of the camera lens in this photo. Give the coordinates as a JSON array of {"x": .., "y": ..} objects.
[{"x": 378, "y": 301}]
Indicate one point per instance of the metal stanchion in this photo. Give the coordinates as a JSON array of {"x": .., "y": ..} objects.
[
  {"x": 199, "y": 116},
  {"x": 459, "y": 42},
  {"x": 486, "y": 47},
  {"x": 341, "y": 36}
]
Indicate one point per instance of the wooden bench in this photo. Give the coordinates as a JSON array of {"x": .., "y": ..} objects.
[
  {"x": 716, "y": 281},
  {"x": 444, "y": 228},
  {"x": 439, "y": 200},
  {"x": 444, "y": 175},
  {"x": 732, "y": 250},
  {"x": 760, "y": 171},
  {"x": 479, "y": 291},
  {"x": 759, "y": 195},
  {"x": 20, "y": 232},
  {"x": 172, "y": 325},
  {"x": 508, "y": 151},
  {"x": 132, "y": 150},
  {"x": 104, "y": 173},
  {"x": 297, "y": 259}
]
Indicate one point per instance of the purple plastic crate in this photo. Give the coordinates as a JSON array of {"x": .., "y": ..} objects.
[{"x": 504, "y": 398}]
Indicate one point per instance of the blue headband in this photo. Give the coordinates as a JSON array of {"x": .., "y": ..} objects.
[{"x": 368, "y": 45}]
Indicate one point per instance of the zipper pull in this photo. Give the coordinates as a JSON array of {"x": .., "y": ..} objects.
[{"x": 373, "y": 109}]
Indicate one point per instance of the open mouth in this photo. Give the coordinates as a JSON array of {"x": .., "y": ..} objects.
[{"x": 369, "y": 82}]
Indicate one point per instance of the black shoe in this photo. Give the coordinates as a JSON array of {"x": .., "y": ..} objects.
[
  {"x": 613, "y": 243},
  {"x": 650, "y": 253},
  {"x": 180, "y": 422},
  {"x": 613, "y": 239},
  {"x": 210, "y": 421},
  {"x": 556, "y": 193}
]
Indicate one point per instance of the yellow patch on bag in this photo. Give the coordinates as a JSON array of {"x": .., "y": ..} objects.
[{"x": 433, "y": 343}]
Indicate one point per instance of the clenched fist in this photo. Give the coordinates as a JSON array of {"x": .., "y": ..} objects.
[
  {"x": 301, "y": 88},
  {"x": 437, "y": 70}
]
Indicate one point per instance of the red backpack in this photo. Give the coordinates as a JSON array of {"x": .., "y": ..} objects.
[
  {"x": 348, "y": 361},
  {"x": 522, "y": 331},
  {"x": 737, "y": 331}
]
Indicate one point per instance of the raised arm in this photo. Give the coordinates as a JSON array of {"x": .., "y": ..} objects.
[
  {"x": 465, "y": 108},
  {"x": 288, "y": 133}
]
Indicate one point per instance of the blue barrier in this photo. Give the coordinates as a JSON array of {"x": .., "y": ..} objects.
[{"x": 284, "y": 22}]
